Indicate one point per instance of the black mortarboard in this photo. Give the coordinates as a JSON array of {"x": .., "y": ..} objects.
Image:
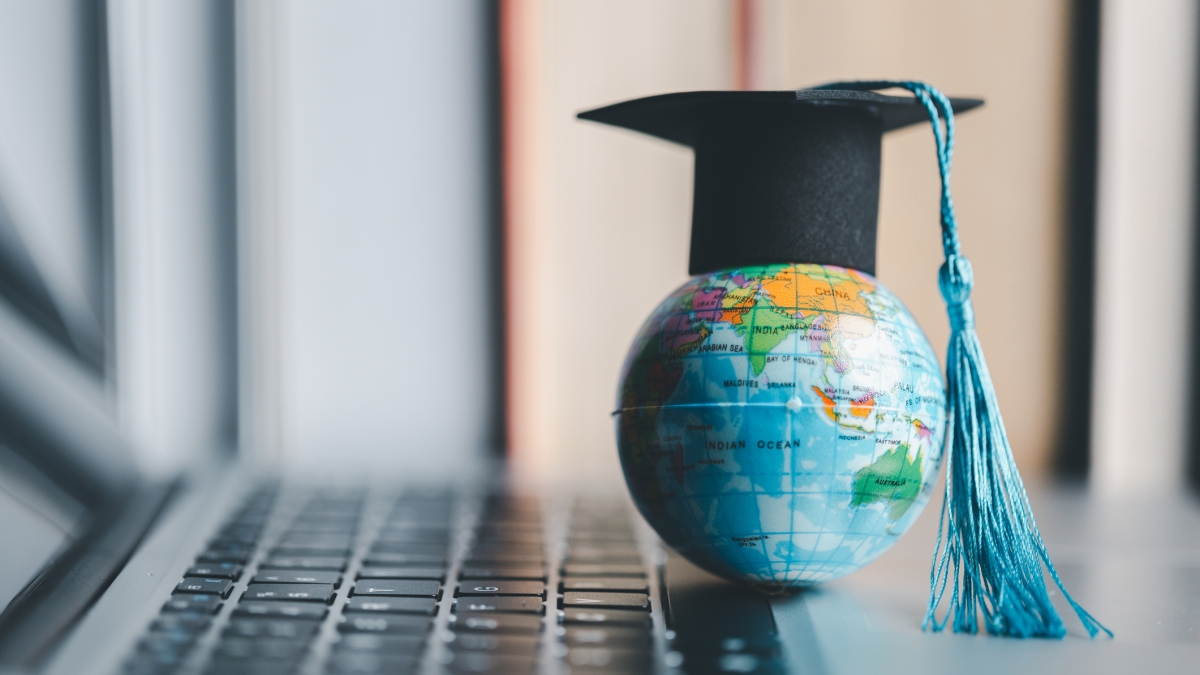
[{"x": 781, "y": 176}]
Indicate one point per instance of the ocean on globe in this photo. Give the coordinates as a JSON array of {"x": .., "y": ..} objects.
[{"x": 781, "y": 424}]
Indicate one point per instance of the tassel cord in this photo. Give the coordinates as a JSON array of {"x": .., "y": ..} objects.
[{"x": 989, "y": 550}]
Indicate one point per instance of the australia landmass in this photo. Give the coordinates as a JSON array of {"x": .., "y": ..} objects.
[{"x": 893, "y": 479}]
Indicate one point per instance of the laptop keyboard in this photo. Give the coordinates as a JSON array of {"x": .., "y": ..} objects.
[{"x": 344, "y": 581}]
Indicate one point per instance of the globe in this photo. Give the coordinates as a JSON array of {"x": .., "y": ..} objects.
[{"x": 781, "y": 425}]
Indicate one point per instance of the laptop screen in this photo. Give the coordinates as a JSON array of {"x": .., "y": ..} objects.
[{"x": 37, "y": 521}]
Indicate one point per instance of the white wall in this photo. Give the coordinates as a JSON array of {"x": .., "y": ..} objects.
[
  {"x": 365, "y": 280},
  {"x": 1144, "y": 244}
]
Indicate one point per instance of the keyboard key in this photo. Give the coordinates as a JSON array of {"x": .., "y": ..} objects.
[
  {"x": 237, "y": 555},
  {"x": 617, "y": 584},
  {"x": 260, "y": 648},
  {"x": 510, "y": 603},
  {"x": 290, "y": 592},
  {"x": 618, "y": 660},
  {"x": 294, "y": 577},
  {"x": 410, "y": 548},
  {"x": 325, "y": 527},
  {"x": 201, "y": 604},
  {"x": 410, "y": 587},
  {"x": 367, "y": 662},
  {"x": 602, "y": 570},
  {"x": 161, "y": 662},
  {"x": 247, "y": 534},
  {"x": 166, "y": 648},
  {"x": 419, "y": 516},
  {"x": 234, "y": 545},
  {"x": 220, "y": 587},
  {"x": 607, "y": 636},
  {"x": 402, "y": 559},
  {"x": 466, "y": 641},
  {"x": 384, "y": 644},
  {"x": 597, "y": 553},
  {"x": 515, "y": 559},
  {"x": 614, "y": 617},
  {"x": 414, "y": 534},
  {"x": 274, "y": 628},
  {"x": 250, "y": 667},
  {"x": 633, "y": 561},
  {"x": 500, "y": 528},
  {"x": 336, "y": 564},
  {"x": 502, "y": 587},
  {"x": 346, "y": 514},
  {"x": 388, "y": 624},
  {"x": 273, "y": 609},
  {"x": 225, "y": 570},
  {"x": 398, "y": 543},
  {"x": 524, "y": 537},
  {"x": 167, "y": 640},
  {"x": 193, "y": 622},
  {"x": 526, "y": 572},
  {"x": 435, "y": 573},
  {"x": 310, "y": 551},
  {"x": 327, "y": 539},
  {"x": 242, "y": 534},
  {"x": 482, "y": 662},
  {"x": 156, "y": 662},
  {"x": 606, "y": 600},
  {"x": 496, "y": 623},
  {"x": 392, "y": 605},
  {"x": 515, "y": 548},
  {"x": 496, "y": 524}
]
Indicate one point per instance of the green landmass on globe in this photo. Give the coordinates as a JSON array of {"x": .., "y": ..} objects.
[
  {"x": 781, "y": 424},
  {"x": 893, "y": 478}
]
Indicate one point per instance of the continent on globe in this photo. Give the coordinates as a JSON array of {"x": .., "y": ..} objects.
[
  {"x": 781, "y": 424},
  {"x": 893, "y": 478}
]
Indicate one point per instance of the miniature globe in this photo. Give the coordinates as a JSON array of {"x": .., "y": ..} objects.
[{"x": 781, "y": 424}]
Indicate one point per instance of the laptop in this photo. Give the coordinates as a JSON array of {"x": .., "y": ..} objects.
[
  {"x": 231, "y": 569},
  {"x": 241, "y": 572}
]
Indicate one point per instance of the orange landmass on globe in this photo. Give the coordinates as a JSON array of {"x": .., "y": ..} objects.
[
  {"x": 836, "y": 293},
  {"x": 780, "y": 287},
  {"x": 825, "y": 303},
  {"x": 830, "y": 404},
  {"x": 862, "y": 407}
]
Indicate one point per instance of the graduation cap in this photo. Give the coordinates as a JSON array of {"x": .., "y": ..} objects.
[
  {"x": 793, "y": 177},
  {"x": 781, "y": 176}
]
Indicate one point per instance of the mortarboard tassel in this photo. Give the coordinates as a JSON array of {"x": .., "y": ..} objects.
[{"x": 988, "y": 548}]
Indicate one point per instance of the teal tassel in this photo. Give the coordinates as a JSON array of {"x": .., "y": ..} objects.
[{"x": 989, "y": 550}]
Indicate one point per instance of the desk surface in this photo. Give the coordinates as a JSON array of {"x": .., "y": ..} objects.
[{"x": 1133, "y": 563}]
